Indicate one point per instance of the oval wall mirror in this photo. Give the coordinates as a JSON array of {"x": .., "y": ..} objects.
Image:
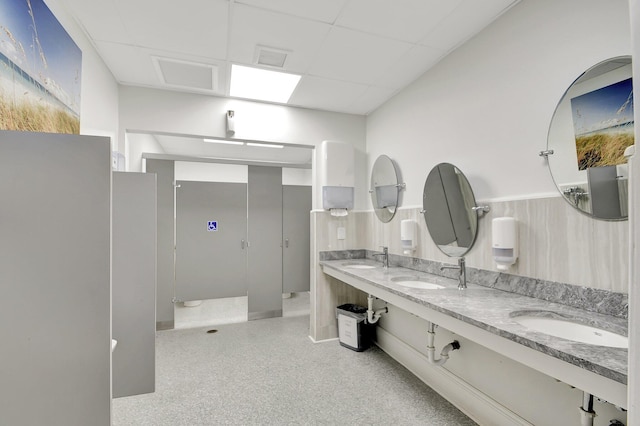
[
  {"x": 589, "y": 132},
  {"x": 384, "y": 188},
  {"x": 448, "y": 207}
]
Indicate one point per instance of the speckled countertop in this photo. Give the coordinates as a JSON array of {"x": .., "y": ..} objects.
[{"x": 493, "y": 310}]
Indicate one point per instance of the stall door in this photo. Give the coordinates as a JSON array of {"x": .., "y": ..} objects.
[
  {"x": 296, "y": 208},
  {"x": 265, "y": 236},
  {"x": 211, "y": 234}
]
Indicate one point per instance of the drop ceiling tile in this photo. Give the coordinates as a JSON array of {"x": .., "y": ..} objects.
[
  {"x": 324, "y": 94},
  {"x": 465, "y": 22},
  {"x": 410, "y": 66},
  {"x": 100, "y": 20},
  {"x": 135, "y": 66},
  {"x": 406, "y": 20},
  {"x": 251, "y": 27},
  {"x": 371, "y": 99},
  {"x": 194, "y": 27},
  {"x": 324, "y": 11},
  {"x": 355, "y": 56},
  {"x": 128, "y": 64}
]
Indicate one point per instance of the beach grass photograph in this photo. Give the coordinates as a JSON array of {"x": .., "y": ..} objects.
[
  {"x": 603, "y": 125},
  {"x": 40, "y": 70}
]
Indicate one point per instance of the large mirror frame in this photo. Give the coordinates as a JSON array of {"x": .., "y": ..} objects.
[
  {"x": 449, "y": 209},
  {"x": 385, "y": 188},
  {"x": 589, "y": 131}
]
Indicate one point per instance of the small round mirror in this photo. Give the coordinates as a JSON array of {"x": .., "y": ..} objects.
[
  {"x": 384, "y": 188},
  {"x": 448, "y": 203},
  {"x": 589, "y": 132}
]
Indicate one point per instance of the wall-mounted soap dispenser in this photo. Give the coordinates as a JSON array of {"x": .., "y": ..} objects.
[
  {"x": 504, "y": 232},
  {"x": 408, "y": 235},
  {"x": 337, "y": 176}
]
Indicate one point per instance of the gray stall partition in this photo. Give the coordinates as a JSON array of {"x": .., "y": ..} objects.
[
  {"x": 211, "y": 240},
  {"x": 265, "y": 236},
  {"x": 164, "y": 171},
  {"x": 296, "y": 231},
  {"x": 55, "y": 322},
  {"x": 134, "y": 283}
]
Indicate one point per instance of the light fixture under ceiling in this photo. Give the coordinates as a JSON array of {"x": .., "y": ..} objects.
[
  {"x": 223, "y": 141},
  {"x": 260, "y": 84},
  {"x": 264, "y": 145}
]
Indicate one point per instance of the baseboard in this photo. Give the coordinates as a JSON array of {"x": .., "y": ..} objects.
[
  {"x": 264, "y": 315},
  {"x": 478, "y": 406},
  {"x": 164, "y": 325}
]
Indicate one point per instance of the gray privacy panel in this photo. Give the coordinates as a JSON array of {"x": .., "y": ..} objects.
[
  {"x": 133, "y": 283},
  {"x": 296, "y": 210},
  {"x": 604, "y": 192},
  {"x": 211, "y": 263},
  {"x": 55, "y": 326},
  {"x": 457, "y": 207},
  {"x": 265, "y": 236},
  {"x": 164, "y": 170}
]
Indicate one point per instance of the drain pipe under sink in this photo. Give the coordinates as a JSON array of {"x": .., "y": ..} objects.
[
  {"x": 431, "y": 350},
  {"x": 372, "y": 315},
  {"x": 586, "y": 411}
]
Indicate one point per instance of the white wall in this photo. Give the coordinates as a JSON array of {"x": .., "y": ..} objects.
[
  {"x": 152, "y": 110},
  {"x": 634, "y": 218},
  {"x": 487, "y": 106},
  {"x": 99, "y": 98}
]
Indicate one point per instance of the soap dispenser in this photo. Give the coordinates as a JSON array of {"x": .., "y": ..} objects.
[
  {"x": 408, "y": 235},
  {"x": 504, "y": 232}
]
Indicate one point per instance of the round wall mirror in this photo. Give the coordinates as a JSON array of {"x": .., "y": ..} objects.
[
  {"x": 589, "y": 132},
  {"x": 448, "y": 206},
  {"x": 384, "y": 188}
]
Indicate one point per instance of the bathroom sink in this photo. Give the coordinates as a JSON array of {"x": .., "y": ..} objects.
[
  {"x": 572, "y": 330},
  {"x": 415, "y": 282},
  {"x": 359, "y": 266}
]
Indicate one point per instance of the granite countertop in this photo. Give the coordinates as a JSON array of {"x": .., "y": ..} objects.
[{"x": 493, "y": 310}]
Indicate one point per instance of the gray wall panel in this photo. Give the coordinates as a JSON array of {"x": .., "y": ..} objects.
[
  {"x": 55, "y": 324},
  {"x": 296, "y": 209},
  {"x": 134, "y": 283}
]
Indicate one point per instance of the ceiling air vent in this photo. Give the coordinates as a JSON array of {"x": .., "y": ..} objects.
[
  {"x": 270, "y": 56},
  {"x": 187, "y": 75}
]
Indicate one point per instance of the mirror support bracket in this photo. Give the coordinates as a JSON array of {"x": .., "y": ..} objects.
[
  {"x": 481, "y": 210},
  {"x": 546, "y": 153}
]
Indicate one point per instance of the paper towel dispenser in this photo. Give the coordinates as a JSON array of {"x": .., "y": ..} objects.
[{"x": 337, "y": 176}]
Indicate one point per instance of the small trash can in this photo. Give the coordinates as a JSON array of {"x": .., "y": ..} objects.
[{"x": 353, "y": 330}]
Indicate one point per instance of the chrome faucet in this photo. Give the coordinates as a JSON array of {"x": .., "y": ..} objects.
[
  {"x": 385, "y": 257},
  {"x": 462, "y": 278}
]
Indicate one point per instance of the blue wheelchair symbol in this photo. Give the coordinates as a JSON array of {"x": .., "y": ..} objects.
[{"x": 212, "y": 225}]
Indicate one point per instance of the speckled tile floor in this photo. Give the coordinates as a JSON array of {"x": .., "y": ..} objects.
[{"x": 268, "y": 372}]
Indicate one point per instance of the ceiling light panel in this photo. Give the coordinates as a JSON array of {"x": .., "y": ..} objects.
[
  {"x": 253, "y": 27},
  {"x": 260, "y": 84}
]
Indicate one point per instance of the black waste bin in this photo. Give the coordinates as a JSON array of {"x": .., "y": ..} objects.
[{"x": 353, "y": 330}]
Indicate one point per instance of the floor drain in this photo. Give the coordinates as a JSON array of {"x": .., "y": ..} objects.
[{"x": 212, "y": 331}]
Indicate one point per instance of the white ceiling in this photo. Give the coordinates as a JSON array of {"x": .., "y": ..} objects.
[{"x": 353, "y": 55}]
